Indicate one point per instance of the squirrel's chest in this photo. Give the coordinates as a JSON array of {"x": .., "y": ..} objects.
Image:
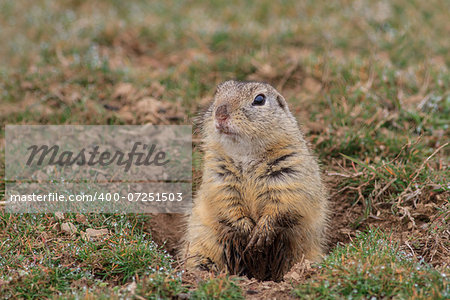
[
  {"x": 251, "y": 188},
  {"x": 247, "y": 185}
]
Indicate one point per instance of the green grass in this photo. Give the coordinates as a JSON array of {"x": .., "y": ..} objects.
[
  {"x": 394, "y": 181},
  {"x": 40, "y": 260},
  {"x": 217, "y": 288},
  {"x": 372, "y": 266},
  {"x": 155, "y": 286}
]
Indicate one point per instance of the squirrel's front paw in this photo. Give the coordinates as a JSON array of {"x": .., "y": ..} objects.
[
  {"x": 261, "y": 236},
  {"x": 240, "y": 229},
  {"x": 243, "y": 227}
]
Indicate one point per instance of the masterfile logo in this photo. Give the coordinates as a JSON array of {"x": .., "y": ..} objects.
[
  {"x": 93, "y": 157},
  {"x": 126, "y": 169}
]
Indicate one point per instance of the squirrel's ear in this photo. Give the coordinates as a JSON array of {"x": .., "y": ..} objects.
[{"x": 281, "y": 101}]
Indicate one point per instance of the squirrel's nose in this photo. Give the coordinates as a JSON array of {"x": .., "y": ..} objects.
[{"x": 222, "y": 113}]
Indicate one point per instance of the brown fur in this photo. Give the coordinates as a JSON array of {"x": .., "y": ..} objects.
[{"x": 261, "y": 205}]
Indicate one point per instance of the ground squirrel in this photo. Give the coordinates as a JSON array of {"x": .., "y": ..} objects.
[{"x": 261, "y": 206}]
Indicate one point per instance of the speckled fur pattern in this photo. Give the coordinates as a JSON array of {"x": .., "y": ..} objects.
[{"x": 261, "y": 206}]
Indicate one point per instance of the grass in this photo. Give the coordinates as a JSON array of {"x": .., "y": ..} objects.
[
  {"x": 368, "y": 81},
  {"x": 217, "y": 288},
  {"x": 373, "y": 266},
  {"x": 395, "y": 181},
  {"x": 155, "y": 286},
  {"x": 39, "y": 259}
]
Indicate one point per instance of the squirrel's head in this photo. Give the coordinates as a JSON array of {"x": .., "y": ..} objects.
[{"x": 249, "y": 113}]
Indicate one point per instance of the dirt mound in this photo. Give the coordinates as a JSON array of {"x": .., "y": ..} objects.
[
  {"x": 346, "y": 220},
  {"x": 167, "y": 230}
]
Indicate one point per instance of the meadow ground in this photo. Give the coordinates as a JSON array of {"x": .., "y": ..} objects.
[{"x": 367, "y": 80}]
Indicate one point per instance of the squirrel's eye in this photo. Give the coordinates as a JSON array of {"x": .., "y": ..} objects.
[{"x": 259, "y": 100}]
